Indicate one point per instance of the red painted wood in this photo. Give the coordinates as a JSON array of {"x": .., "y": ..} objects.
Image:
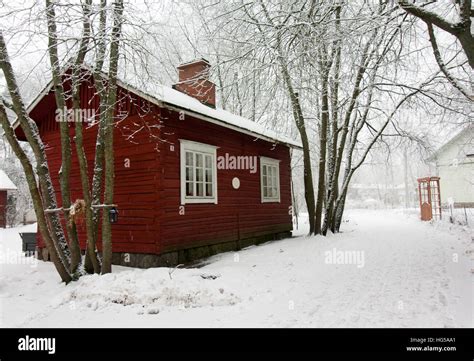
[
  {"x": 3, "y": 209},
  {"x": 147, "y": 179}
]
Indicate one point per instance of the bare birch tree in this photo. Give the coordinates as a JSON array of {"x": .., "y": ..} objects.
[
  {"x": 332, "y": 59},
  {"x": 63, "y": 246}
]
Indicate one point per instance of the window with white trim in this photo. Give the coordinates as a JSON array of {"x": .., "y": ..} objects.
[
  {"x": 198, "y": 172},
  {"x": 270, "y": 179}
]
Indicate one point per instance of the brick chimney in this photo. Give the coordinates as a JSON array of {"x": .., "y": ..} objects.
[{"x": 194, "y": 81}]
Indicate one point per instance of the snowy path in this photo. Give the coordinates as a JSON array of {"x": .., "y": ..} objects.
[{"x": 413, "y": 274}]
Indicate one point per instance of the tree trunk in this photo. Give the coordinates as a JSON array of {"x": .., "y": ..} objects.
[
  {"x": 65, "y": 169},
  {"x": 91, "y": 261},
  {"x": 332, "y": 188},
  {"x": 300, "y": 124},
  {"x": 32, "y": 135},
  {"x": 322, "y": 150},
  {"x": 35, "y": 196},
  {"x": 467, "y": 42},
  {"x": 109, "y": 138}
]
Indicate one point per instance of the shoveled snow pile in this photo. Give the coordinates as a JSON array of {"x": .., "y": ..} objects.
[
  {"x": 147, "y": 288},
  {"x": 386, "y": 269}
]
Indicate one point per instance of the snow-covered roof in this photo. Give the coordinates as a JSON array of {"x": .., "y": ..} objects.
[
  {"x": 166, "y": 96},
  {"x": 436, "y": 153},
  {"x": 5, "y": 183},
  {"x": 174, "y": 98}
]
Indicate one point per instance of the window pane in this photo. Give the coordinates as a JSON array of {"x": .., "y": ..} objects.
[
  {"x": 189, "y": 158},
  {"x": 199, "y": 175},
  {"x": 275, "y": 192},
  {"x": 199, "y": 189},
  {"x": 189, "y": 174},
  {"x": 198, "y": 160},
  {"x": 208, "y": 175},
  {"x": 208, "y": 189},
  {"x": 264, "y": 170},
  {"x": 208, "y": 161},
  {"x": 189, "y": 188}
]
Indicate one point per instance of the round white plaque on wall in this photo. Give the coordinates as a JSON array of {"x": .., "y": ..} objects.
[{"x": 236, "y": 183}]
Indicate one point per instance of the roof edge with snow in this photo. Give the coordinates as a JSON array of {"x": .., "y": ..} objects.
[
  {"x": 5, "y": 182},
  {"x": 436, "y": 153},
  {"x": 174, "y": 99}
]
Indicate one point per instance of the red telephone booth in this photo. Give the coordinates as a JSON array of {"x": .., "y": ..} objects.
[{"x": 430, "y": 198}]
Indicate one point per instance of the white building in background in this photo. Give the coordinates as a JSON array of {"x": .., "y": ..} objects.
[{"x": 454, "y": 164}]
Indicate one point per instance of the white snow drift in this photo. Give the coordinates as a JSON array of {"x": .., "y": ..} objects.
[{"x": 413, "y": 274}]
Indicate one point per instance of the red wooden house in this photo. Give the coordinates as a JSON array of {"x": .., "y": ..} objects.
[{"x": 190, "y": 180}]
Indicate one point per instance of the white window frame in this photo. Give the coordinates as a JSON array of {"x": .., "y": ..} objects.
[
  {"x": 206, "y": 149},
  {"x": 265, "y": 161}
]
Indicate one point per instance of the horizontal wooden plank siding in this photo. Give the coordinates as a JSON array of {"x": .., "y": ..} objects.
[
  {"x": 3, "y": 208},
  {"x": 147, "y": 178},
  {"x": 137, "y": 170},
  {"x": 239, "y": 213}
]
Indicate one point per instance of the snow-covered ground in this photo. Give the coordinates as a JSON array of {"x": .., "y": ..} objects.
[{"x": 398, "y": 272}]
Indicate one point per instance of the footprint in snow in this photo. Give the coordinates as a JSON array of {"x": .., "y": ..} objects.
[
  {"x": 442, "y": 299},
  {"x": 153, "y": 311},
  {"x": 207, "y": 276}
]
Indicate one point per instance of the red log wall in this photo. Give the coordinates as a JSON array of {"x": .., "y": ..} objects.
[
  {"x": 147, "y": 184},
  {"x": 3, "y": 209},
  {"x": 238, "y": 213}
]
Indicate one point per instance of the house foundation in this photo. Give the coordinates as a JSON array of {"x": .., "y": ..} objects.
[{"x": 181, "y": 257}]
